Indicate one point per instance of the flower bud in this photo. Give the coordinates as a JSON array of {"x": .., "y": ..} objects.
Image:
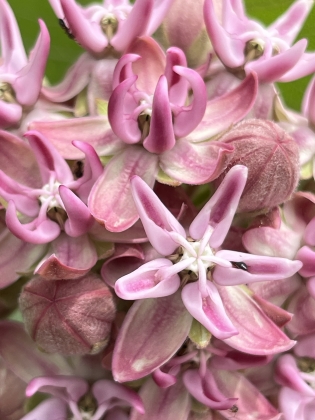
[
  {"x": 272, "y": 159},
  {"x": 68, "y": 317}
]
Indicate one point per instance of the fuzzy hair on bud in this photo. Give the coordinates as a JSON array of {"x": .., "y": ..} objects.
[
  {"x": 68, "y": 316},
  {"x": 272, "y": 158}
]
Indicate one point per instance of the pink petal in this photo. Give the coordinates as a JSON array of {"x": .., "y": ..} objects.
[
  {"x": 159, "y": 12},
  {"x": 93, "y": 130},
  {"x": 163, "y": 403},
  {"x": 16, "y": 346},
  {"x": 36, "y": 232},
  {"x": 190, "y": 116},
  {"x": 18, "y": 161},
  {"x": 10, "y": 114},
  {"x": 114, "y": 268},
  {"x": 75, "y": 80},
  {"x": 220, "y": 209},
  {"x": 157, "y": 220},
  {"x": 259, "y": 268},
  {"x": 307, "y": 256},
  {"x": 229, "y": 48},
  {"x": 272, "y": 69},
  {"x": 22, "y": 196},
  {"x": 86, "y": 33},
  {"x": 29, "y": 79},
  {"x": 273, "y": 242},
  {"x": 161, "y": 137},
  {"x": 52, "y": 409},
  {"x": 79, "y": 217},
  {"x": 209, "y": 311},
  {"x": 12, "y": 49},
  {"x": 257, "y": 333},
  {"x": 228, "y": 109},
  {"x": 123, "y": 125},
  {"x": 16, "y": 257},
  {"x": 134, "y": 26},
  {"x": 110, "y": 200},
  {"x": 68, "y": 258},
  {"x": 177, "y": 85},
  {"x": 104, "y": 391},
  {"x": 195, "y": 163},
  {"x": 48, "y": 158},
  {"x": 93, "y": 169},
  {"x": 64, "y": 387},
  {"x": 144, "y": 282},
  {"x": 250, "y": 401},
  {"x": 289, "y": 24},
  {"x": 165, "y": 321},
  {"x": 151, "y": 66},
  {"x": 162, "y": 379},
  {"x": 206, "y": 391}
]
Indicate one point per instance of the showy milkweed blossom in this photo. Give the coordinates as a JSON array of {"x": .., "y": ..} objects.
[{"x": 157, "y": 215}]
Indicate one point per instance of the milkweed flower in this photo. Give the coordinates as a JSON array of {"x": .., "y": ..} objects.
[{"x": 200, "y": 266}]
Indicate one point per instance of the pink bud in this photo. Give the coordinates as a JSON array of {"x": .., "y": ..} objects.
[
  {"x": 272, "y": 159},
  {"x": 68, "y": 317}
]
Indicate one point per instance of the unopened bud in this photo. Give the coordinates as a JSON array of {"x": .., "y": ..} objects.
[
  {"x": 272, "y": 159},
  {"x": 68, "y": 316}
]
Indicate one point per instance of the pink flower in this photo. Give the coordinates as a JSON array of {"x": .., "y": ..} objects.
[
  {"x": 197, "y": 259},
  {"x": 241, "y": 42},
  {"x": 21, "y": 78},
  {"x": 114, "y": 23}
]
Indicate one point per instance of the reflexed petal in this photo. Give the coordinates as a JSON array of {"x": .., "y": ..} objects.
[
  {"x": 272, "y": 242},
  {"x": 18, "y": 161},
  {"x": 163, "y": 403},
  {"x": 16, "y": 346},
  {"x": 75, "y": 80},
  {"x": 206, "y": 391},
  {"x": 223, "y": 111},
  {"x": 134, "y": 25},
  {"x": 144, "y": 283},
  {"x": 288, "y": 25},
  {"x": 110, "y": 200},
  {"x": 257, "y": 333},
  {"x": 229, "y": 48},
  {"x": 29, "y": 79},
  {"x": 220, "y": 209},
  {"x": 272, "y": 69},
  {"x": 162, "y": 379},
  {"x": 209, "y": 311},
  {"x": 165, "y": 321},
  {"x": 195, "y": 163},
  {"x": 259, "y": 268},
  {"x": 114, "y": 268},
  {"x": 12, "y": 50},
  {"x": 251, "y": 403},
  {"x": 52, "y": 409},
  {"x": 88, "y": 34},
  {"x": 48, "y": 158},
  {"x": 177, "y": 85},
  {"x": 156, "y": 218},
  {"x": 304, "y": 67},
  {"x": 69, "y": 258},
  {"x": 94, "y": 130}
]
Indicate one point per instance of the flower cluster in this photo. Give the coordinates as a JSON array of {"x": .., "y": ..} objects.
[{"x": 157, "y": 216}]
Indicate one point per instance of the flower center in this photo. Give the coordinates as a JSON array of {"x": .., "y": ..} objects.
[
  {"x": 202, "y": 255},
  {"x": 7, "y": 93},
  {"x": 109, "y": 25},
  {"x": 50, "y": 195}
]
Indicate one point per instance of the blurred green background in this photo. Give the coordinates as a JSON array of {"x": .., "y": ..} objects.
[{"x": 64, "y": 51}]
